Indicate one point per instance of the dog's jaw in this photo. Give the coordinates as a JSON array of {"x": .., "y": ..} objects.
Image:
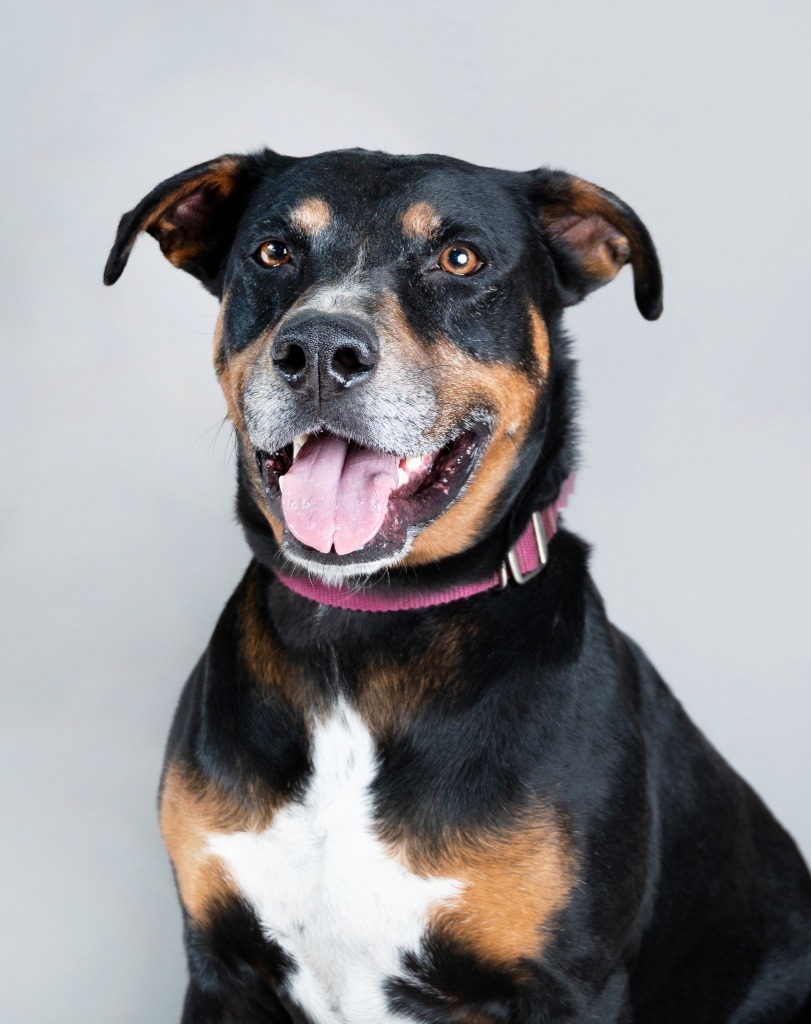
[{"x": 337, "y": 528}]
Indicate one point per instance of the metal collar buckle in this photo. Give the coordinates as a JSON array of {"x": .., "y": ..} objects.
[{"x": 511, "y": 567}]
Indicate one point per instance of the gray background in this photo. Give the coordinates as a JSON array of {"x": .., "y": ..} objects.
[{"x": 118, "y": 541}]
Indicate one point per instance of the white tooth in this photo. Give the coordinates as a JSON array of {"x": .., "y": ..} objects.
[
  {"x": 402, "y": 476},
  {"x": 281, "y": 483},
  {"x": 298, "y": 442},
  {"x": 413, "y": 464}
]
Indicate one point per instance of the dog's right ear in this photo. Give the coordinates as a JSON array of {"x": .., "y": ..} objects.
[
  {"x": 194, "y": 215},
  {"x": 592, "y": 234}
]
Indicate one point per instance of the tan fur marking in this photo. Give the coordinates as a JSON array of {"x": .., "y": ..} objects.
[
  {"x": 267, "y": 663},
  {"x": 391, "y": 689},
  {"x": 515, "y": 886},
  {"x": 512, "y": 396},
  {"x": 312, "y": 216},
  {"x": 260, "y": 654},
  {"x": 191, "y": 809},
  {"x": 233, "y": 372},
  {"x": 421, "y": 221},
  {"x": 516, "y": 882}
]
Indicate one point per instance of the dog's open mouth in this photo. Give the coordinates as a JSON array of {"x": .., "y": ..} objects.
[{"x": 341, "y": 499}]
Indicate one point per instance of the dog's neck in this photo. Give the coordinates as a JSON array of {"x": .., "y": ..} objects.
[{"x": 525, "y": 559}]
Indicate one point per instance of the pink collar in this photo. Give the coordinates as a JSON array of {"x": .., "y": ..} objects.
[{"x": 524, "y": 560}]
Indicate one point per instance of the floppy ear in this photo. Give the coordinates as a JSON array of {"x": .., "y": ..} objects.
[
  {"x": 592, "y": 235},
  {"x": 193, "y": 215}
]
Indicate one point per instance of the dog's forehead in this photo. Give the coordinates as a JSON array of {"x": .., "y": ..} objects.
[{"x": 370, "y": 195}]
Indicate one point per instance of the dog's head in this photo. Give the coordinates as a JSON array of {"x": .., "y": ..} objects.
[{"x": 388, "y": 341}]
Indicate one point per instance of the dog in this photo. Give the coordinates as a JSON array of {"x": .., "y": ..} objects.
[{"x": 418, "y": 775}]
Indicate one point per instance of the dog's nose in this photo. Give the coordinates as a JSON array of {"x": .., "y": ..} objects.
[{"x": 322, "y": 353}]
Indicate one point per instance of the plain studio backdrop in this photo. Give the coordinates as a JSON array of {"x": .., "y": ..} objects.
[{"x": 119, "y": 545}]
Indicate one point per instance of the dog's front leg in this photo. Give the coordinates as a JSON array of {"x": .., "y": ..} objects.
[
  {"x": 235, "y": 974},
  {"x": 235, "y": 1006}
]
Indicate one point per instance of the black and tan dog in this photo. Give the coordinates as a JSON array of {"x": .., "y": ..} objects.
[{"x": 414, "y": 778}]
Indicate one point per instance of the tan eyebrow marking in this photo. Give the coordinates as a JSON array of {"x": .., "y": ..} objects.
[
  {"x": 312, "y": 216},
  {"x": 421, "y": 220}
]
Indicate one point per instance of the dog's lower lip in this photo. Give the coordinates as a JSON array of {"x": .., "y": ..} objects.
[{"x": 425, "y": 486}]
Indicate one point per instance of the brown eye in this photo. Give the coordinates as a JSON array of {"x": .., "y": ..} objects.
[
  {"x": 273, "y": 253},
  {"x": 460, "y": 260}
]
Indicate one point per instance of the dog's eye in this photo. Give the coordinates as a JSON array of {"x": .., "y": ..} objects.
[
  {"x": 273, "y": 253},
  {"x": 460, "y": 260}
]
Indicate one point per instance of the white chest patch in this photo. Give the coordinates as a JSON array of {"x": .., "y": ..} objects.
[{"x": 325, "y": 888}]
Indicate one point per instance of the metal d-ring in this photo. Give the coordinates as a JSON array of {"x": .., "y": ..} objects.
[{"x": 511, "y": 568}]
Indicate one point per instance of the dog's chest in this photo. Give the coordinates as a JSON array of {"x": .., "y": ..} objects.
[{"x": 325, "y": 887}]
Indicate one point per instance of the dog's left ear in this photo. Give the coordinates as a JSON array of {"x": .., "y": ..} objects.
[
  {"x": 592, "y": 234},
  {"x": 193, "y": 215}
]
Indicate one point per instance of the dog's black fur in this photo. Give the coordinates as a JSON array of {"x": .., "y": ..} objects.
[{"x": 515, "y": 713}]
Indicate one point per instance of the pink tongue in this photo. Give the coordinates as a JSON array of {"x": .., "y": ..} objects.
[{"x": 333, "y": 496}]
